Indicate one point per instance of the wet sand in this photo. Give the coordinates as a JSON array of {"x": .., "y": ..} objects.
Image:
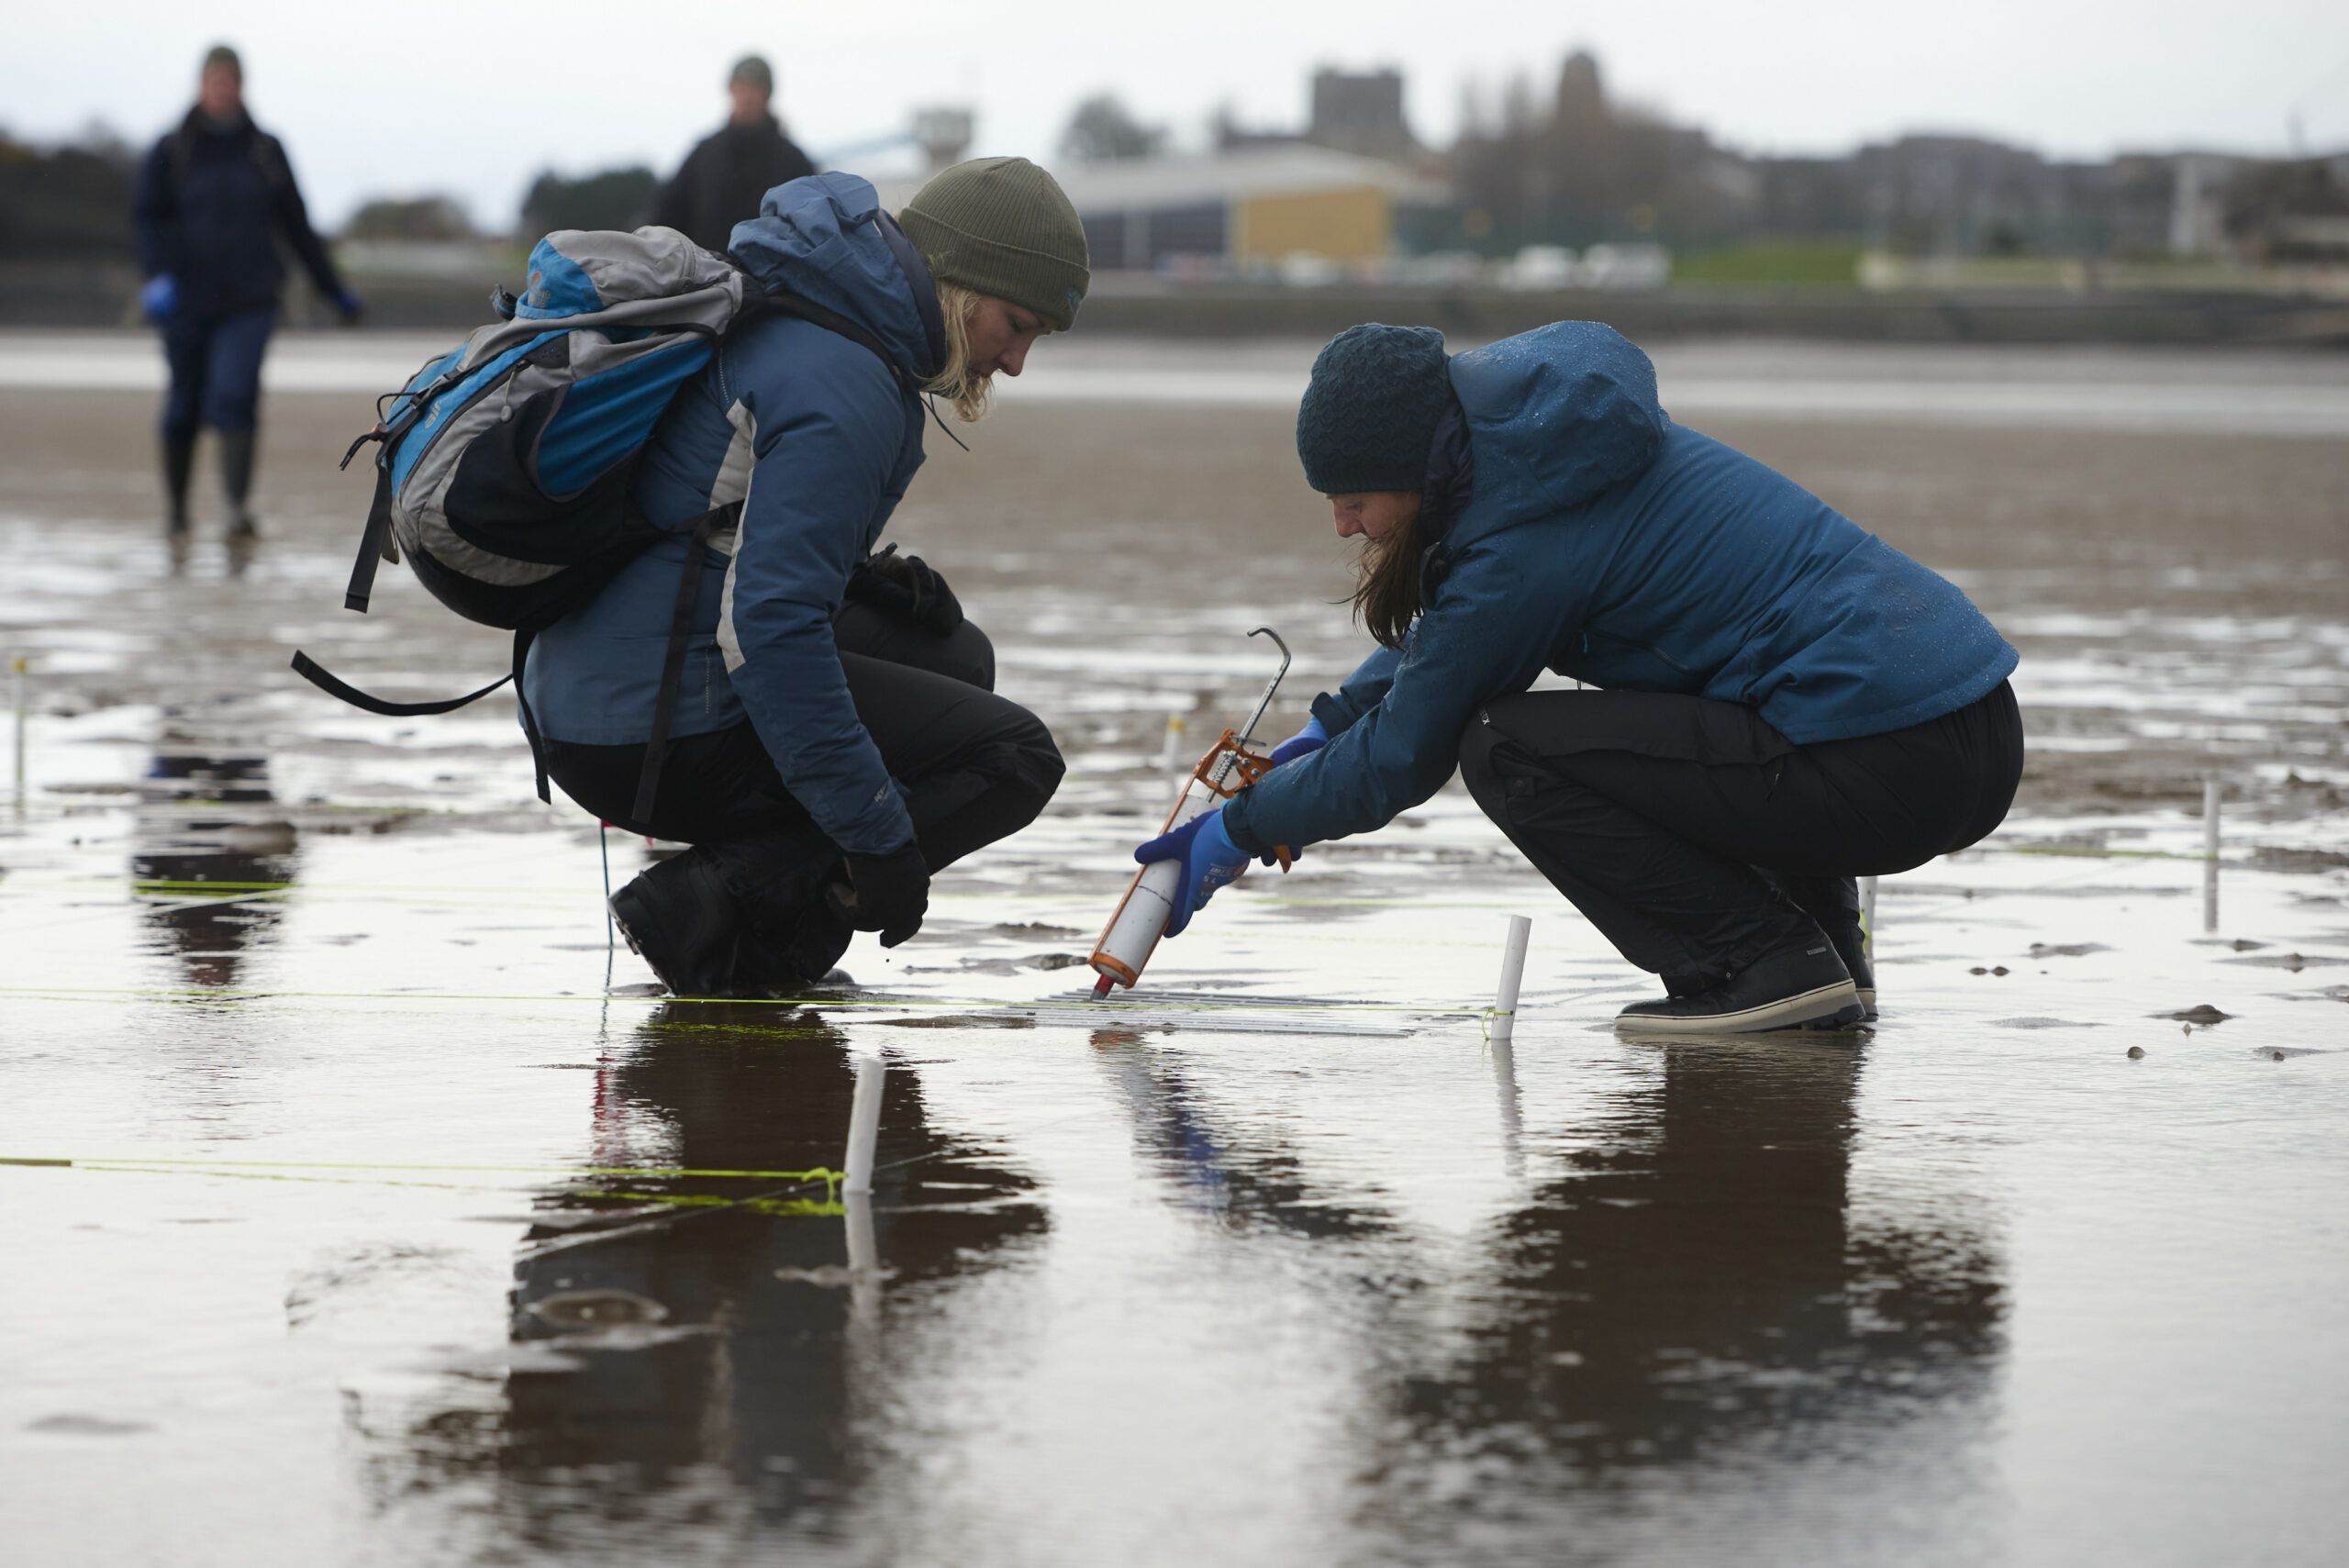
[{"x": 377, "y": 1250}]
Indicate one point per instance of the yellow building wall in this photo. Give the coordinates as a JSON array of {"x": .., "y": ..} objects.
[{"x": 1345, "y": 226}]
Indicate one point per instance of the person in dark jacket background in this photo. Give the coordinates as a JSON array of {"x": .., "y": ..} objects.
[
  {"x": 723, "y": 178},
  {"x": 836, "y": 737},
  {"x": 214, "y": 198},
  {"x": 1786, "y": 701}
]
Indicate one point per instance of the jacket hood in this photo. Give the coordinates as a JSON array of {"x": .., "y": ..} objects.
[
  {"x": 825, "y": 238},
  {"x": 1555, "y": 416}
]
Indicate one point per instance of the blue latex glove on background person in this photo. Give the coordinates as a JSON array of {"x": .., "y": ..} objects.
[
  {"x": 348, "y": 306},
  {"x": 1210, "y": 860},
  {"x": 160, "y": 298},
  {"x": 1303, "y": 743}
]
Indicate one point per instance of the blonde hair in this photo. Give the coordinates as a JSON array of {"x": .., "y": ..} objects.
[{"x": 969, "y": 394}]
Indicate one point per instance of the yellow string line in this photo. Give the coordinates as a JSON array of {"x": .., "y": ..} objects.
[{"x": 830, "y": 1205}]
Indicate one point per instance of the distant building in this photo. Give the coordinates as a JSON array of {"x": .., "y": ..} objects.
[
  {"x": 1961, "y": 195},
  {"x": 1359, "y": 112},
  {"x": 1255, "y": 206}
]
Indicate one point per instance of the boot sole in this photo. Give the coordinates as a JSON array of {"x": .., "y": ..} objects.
[
  {"x": 619, "y": 921},
  {"x": 1826, "y": 1008}
]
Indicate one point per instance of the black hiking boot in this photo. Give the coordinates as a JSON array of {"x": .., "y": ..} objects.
[
  {"x": 1798, "y": 984},
  {"x": 235, "y": 454},
  {"x": 679, "y": 918},
  {"x": 1834, "y": 903},
  {"x": 179, "y": 463}
]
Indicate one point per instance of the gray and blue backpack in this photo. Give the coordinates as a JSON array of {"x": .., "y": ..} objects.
[{"x": 505, "y": 468}]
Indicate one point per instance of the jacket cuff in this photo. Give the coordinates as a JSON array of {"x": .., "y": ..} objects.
[{"x": 1235, "y": 825}]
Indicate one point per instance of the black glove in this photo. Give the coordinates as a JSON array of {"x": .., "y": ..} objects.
[
  {"x": 904, "y": 588},
  {"x": 888, "y": 893}
]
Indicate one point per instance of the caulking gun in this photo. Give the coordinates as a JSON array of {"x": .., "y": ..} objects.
[{"x": 1141, "y": 920}]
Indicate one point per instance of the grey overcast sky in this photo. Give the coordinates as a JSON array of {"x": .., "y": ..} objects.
[{"x": 472, "y": 98}]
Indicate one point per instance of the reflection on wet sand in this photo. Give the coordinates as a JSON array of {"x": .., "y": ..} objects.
[
  {"x": 207, "y": 830},
  {"x": 1699, "y": 1296},
  {"x": 711, "y": 1357},
  {"x": 1240, "y": 1187}
]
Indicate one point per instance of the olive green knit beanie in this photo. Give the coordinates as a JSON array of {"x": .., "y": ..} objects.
[{"x": 1003, "y": 226}]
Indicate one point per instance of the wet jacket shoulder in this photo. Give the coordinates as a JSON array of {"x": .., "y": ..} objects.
[
  {"x": 817, "y": 439},
  {"x": 1600, "y": 541},
  {"x": 211, "y": 205}
]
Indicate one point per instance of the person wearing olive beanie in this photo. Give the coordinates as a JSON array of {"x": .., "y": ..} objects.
[
  {"x": 834, "y": 735},
  {"x": 1004, "y": 228}
]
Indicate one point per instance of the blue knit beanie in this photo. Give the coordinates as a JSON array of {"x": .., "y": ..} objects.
[{"x": 1370, "y": 410}]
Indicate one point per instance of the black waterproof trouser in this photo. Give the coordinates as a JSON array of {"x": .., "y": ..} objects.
[
  {"x": 976, "y": 768},
  {"x": 1697, "y": 838}
]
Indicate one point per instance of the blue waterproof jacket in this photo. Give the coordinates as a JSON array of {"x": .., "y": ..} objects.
[
  {"x": 817, "y": 440},
  {"x": 1599, "y": 539},
  {"x": 211, "y": 205}
]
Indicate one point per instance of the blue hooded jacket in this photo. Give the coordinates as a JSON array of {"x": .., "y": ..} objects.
[
  {"x": 1599, "y": 539},
  {"x": 813, "y": 436}
]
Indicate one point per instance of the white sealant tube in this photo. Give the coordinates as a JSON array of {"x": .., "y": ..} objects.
[
  {"x": 863, "y": 1124},
  {"x": 1142, "y": 918},
  {"x": 1520, "y": 929},
  {"x": 1125, "y": 948}
]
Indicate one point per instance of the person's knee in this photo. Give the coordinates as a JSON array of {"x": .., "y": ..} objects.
[
  {"x": 1022, "y": 767},
  {"x": 183, "y": 410},
  {"x": 1039, "y": 765},
  {"x": 969, "y": 657},
  {"x": 233, "y": 409}
]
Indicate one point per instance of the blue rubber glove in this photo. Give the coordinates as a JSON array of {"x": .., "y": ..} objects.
[
  {"x": 160, "y": 300},
  {"x": 1210, "y": 860},
  {"x": 1303, "y": 743},
  {"x": 348, "y": 305}
]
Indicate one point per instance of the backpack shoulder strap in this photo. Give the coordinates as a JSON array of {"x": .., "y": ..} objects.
[{"x": 785, "y": 304}]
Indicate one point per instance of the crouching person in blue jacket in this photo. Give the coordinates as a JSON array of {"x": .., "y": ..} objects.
[
  {"x": 1785, "y": 701},
  {"x": 836, "y": 737}
]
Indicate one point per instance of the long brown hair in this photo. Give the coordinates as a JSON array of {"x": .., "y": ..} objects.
[{"x": 1386, "y": 593}]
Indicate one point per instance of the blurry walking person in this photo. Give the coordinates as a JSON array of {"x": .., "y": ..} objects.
[
  {"x": 835, "y": 736},
  {"x": 1785, "y": 702},
  {"x": 215, "y": 196},
  {"x": 723, "y": 179}
]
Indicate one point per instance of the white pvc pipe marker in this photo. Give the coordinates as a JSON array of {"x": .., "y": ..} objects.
[
  {"x": 863, "y": 1124},
  {"x": 22, "y": 703},
  {"x": 2210, "y": 853},
  {"x": 1867, "y": 917},
  {"x": 1520, "y": 930}
]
